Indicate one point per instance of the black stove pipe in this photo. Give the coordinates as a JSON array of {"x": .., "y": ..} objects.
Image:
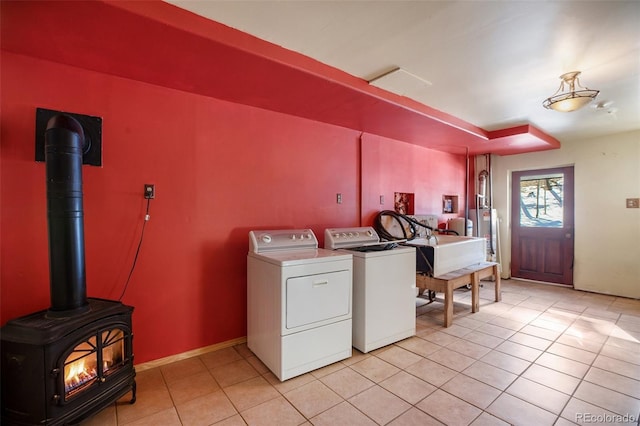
[{"x": 64, "y": 144}]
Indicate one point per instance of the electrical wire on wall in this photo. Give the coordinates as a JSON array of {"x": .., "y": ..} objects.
[{"x": 135, "y": 259}]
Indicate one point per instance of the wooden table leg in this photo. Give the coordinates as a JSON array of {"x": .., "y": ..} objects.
[
  {"x": 475, "y": 292},
  {"x": 448, "y": 306},
  {"x": 496, "y": 275}
]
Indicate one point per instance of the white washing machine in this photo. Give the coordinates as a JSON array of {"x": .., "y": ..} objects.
[
  {"x": 298, "y": 302},
  {"x": 384, "y": 286}
]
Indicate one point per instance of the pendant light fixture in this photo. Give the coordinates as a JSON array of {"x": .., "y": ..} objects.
[{"x": 571, "y": 100}]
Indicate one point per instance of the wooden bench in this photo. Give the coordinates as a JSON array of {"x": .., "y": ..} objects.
[{"x": 448, "y": 282}]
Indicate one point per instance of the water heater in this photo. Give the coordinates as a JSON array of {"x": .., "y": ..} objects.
[{"x": 485, "y": 225}]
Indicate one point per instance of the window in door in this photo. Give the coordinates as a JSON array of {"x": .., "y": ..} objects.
[{"x": 541, "y": 203}]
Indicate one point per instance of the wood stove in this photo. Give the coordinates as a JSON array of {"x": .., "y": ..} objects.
[
  {"x": 62, "y": 370},
  {"x": 64, "y": 364}
]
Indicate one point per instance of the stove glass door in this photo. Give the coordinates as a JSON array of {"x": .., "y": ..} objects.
[
  {"x": 112, "y": 350},
  {"x": 94, "y": 360}
]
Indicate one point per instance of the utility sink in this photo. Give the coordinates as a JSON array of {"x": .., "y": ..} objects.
[{"x": 442, "y": 254}]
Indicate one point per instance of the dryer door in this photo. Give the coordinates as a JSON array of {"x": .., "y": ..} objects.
[{"x": 315, "y": 300}]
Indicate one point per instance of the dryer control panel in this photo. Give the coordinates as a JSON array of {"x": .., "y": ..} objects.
[{"x": 282, "y": 239}]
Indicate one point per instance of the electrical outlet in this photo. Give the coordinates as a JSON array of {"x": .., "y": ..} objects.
[
  {"x": 633, "y": 203},
  {"x": 149, "y": 190},
  {"x": 382, "y": 199},
  {"x": 339, "y": 198}
]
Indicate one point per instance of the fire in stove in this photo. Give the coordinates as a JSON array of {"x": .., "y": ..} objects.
[{"x": 79, "y": 373}]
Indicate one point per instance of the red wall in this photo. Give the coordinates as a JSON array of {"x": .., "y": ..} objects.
[
  {"x": 220, "y": 170},
  {"x": 390, "y": 166}
]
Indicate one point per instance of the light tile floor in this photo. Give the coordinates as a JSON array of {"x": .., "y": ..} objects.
[{"x": 545, "y": 355}]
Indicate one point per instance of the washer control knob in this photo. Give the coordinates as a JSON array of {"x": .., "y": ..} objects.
[
  {"x": 266, "y": 239},
  {"x": 369, "y": 233},
  {"x": 293, "y": 237}
]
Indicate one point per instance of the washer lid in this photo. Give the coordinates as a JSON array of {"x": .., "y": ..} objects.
[{"x": 361, "y": 252}]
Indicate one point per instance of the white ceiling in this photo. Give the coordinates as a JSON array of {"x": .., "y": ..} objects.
[{"x": 490, "y": 63}]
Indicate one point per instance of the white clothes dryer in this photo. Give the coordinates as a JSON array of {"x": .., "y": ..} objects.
[
  {"x": 299, "y": 313},
  {"x": 384, "y": 286}
]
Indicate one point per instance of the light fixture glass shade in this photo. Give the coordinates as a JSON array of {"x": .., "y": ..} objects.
[{"x": 571, "y": 100}]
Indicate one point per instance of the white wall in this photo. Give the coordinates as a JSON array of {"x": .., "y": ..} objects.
[{"x": 607, "y": 234}]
